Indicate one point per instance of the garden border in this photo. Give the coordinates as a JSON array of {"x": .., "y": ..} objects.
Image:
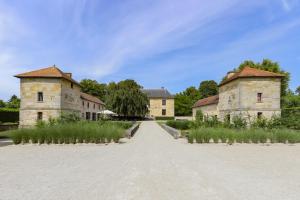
[
  {"x": 172, "y": 131},
  {"x": 132, "y": 130}
]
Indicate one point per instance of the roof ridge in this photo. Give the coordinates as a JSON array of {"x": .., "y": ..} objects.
[{"x": 248, "y": 71}]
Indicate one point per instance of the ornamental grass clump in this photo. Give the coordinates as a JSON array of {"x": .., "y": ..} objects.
[
  {"x": 256, "y": 135},
  {"x": 70, "y": 133}
]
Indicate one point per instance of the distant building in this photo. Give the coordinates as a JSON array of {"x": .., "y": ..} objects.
[
  {"x": 161, "y": 103},
  {"x": 250, "y": 93},
  {"x": 49, "y": 92}
]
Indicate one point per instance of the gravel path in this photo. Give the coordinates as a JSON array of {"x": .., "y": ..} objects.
[{"x": 151, "y": 166}]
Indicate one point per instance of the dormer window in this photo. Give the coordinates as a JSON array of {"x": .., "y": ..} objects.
[{"x": 40, "y": 97}]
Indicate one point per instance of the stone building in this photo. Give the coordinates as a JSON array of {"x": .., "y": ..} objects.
[
  {"x": 49, "y": 92},
  {"x": 161, "y": 103},
  {"x": 250, "y": 93}
]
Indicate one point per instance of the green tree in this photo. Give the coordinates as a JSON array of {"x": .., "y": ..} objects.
[
  {"x": 185, "y": 100},
  {"x": 298, "y": 90},
  {"x": 2, "y": 104},
  {"x": 126, "y": 99},
  {"x": 14, "y": 102},
  {"x": 94, "y": 88},
  {"x": 208, "y": 88}
]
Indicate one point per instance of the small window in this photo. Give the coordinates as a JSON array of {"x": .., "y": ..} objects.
[
  {"x": 72, "y": 85},
  {"x": 83, "y": 103},
  {"x": 259, "y": 115},
  {"x": 39, "y": 116},
  {"x": 99, "y": 107},
  {"x": 259, "y": 97},
  {"x": 163, "y": 102},
  {"x": 163, "y": 112},
  {"x": 40, "y": 96},
  {"x": 88, "y": 104},
  {"x": 228, "y": 118},
  {"x": 94, "y": 106}
]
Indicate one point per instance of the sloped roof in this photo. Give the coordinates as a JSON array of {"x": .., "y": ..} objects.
[
  {"x": 207, "y": 101},
  {"x": 49, "y": 72},
  {"x": 91, "y": 98},
  {"x": 251, "y": 72},
  {"x": 158, "y": 93}
]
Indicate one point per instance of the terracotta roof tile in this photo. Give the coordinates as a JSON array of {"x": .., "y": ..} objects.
[
  {"x": 91, "y": 98},
  {"x": 207, "y": 101},
  {"x": 49, "y": 72},
  {"x": 250, "y": 72}
]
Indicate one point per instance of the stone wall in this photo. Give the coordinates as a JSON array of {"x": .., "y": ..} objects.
[
  {"x": 208, "y": 110},
  {"x": 155, "y": 107},
  {"x": 70, "y": 97},
  {"x": 85, "y": 108},
  {"x": 239, "y": 98},
  {"x": 30, "y": 106}
]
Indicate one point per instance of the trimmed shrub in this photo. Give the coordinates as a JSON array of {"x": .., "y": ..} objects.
[
  {"x": 180, "y": 124},
  {"x": 164, "y": 118}
]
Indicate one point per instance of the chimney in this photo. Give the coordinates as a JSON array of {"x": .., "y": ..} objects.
[
  {"x": 69, "y": 74},
  {"x": 230, "y": 74}
]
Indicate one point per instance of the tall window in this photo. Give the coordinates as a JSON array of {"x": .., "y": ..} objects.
[
  {"x": 94, "y": 106},
  {"x": 163, "y": 112},
  {"x": 39, "y": 116},
  {"x": 72, "y": 85},
  {"x": 82, "y": 103},
  {"x": 259, "y": 97},
  {"x": 88, "y": 104},
  {"x": 94, "y": 116},
  {"x": 40, "y": 96},
  {"x": 87, "y": 115},
  {"x": 163, "y": 102}
]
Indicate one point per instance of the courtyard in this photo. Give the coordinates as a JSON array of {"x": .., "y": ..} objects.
[{"x": 151, "y": 165}]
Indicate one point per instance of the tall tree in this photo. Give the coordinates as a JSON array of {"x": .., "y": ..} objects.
[
  {"x": 208, "y": 88},
  {"x": 298, "y": 90},
  {"x": 185, "y": 100},
  {"x": 126, "y": 99},
  {"x": 94, "y": 88},
  {"x": 14, "y": 102},
  {"x": 2, "y": 104}
]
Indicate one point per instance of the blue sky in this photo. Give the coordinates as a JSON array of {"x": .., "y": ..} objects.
[{"x": 170, "y": 43}]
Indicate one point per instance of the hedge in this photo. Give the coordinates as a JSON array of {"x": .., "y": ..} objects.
[
  {"x": 164, "y": 118},
  {"x": 9, "y": 115}
]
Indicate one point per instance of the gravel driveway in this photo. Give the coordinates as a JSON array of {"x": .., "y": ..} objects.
[{"x": 152, "y": 166}]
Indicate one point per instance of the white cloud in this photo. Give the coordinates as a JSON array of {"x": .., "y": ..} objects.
[{"x": 285, "y": 5}]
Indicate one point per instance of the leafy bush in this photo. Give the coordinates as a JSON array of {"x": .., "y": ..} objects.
[
  {"x": 80, "y": 132},
  {"x": 259, "y": 123},
  {"x": 239, "y": 122},
  {"x": 164, "y": 118},
  {"x": 180, "y": 124}
]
